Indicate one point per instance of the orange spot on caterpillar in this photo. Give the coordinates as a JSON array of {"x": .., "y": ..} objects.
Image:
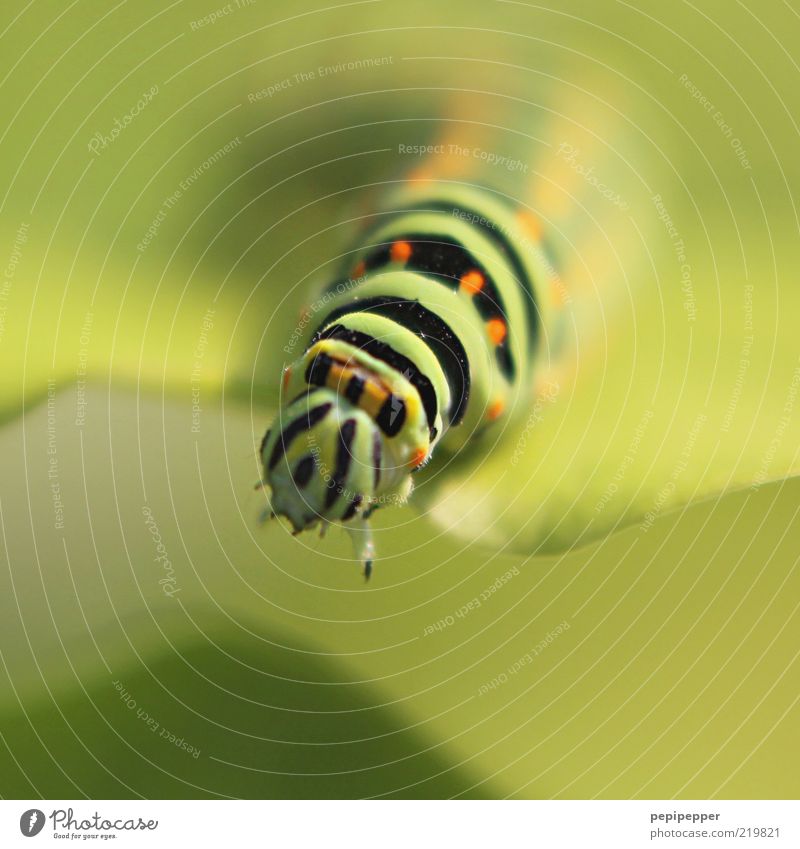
[
  {"x": 531, "y": 224},
  {"x": 497, "y": 330},
  {"x": 472, "y": 281},
  {"x": 417, "y": 458},
  {"x": 420, "y": 175},
  {"x": 359, "y": 269},
  {"x": 400, "y": 252},
  {"x": 287, "y": 373},
  {"x": 495, "y": 410}
]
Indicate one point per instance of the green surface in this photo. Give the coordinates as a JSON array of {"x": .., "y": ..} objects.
[{"x": 677, "y": 673}]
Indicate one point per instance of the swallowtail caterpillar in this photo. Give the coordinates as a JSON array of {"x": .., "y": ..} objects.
[{"x": 431, "y": 339}]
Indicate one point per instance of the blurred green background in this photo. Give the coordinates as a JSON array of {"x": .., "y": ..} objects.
[{"x": 151, "y": 277}]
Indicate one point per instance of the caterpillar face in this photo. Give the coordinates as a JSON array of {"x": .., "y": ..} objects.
[
  {"x": 346, "y": 443},
  {"x": 322, "y": 460}
]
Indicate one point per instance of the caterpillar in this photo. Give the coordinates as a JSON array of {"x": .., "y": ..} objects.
[{"x": 430, "y": 338}]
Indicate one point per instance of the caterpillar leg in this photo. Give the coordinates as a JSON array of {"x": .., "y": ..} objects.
[{"x": 363, "y": 545}]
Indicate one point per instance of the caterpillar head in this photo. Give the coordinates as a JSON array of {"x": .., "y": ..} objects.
[{"x": 323, "y": 462}]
